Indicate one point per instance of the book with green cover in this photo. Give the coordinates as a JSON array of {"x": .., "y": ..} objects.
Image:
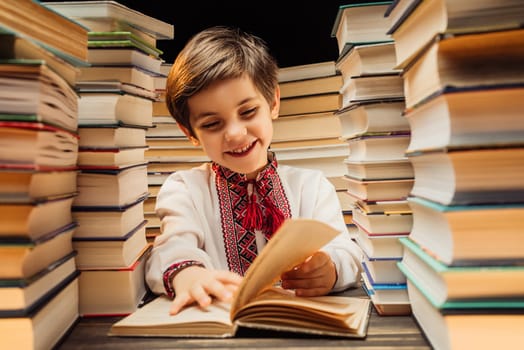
[
  {"x": 469, "y": 234},
  {"x": 361, "y": 23},
  {"x": 121, "y": 39},
  {"x": 463, "y": 287}
]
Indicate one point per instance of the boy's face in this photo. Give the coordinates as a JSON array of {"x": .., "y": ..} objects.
[{"x": 233, "y": 123}]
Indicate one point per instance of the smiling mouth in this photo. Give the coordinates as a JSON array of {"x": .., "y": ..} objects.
[{"x": 243, "y": 150}]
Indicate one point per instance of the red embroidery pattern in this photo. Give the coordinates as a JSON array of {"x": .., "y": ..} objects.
[{"x": 239, "y": 241}]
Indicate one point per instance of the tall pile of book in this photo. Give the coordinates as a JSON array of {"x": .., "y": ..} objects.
[
  {"x": 117, "y": 93},
  {"x": 169, "y": 150},
  {"x": 378, "y": 174},
  {"x": 38, "y": 173},
  {"x": 464, "y": 90},
  {"x": 306, "y": 134}
]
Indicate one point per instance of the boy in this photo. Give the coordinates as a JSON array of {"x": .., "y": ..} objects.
[{"x": 223, "y": 92}]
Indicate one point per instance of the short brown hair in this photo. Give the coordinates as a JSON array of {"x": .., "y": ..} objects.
[{"x": 214, "y": 54}]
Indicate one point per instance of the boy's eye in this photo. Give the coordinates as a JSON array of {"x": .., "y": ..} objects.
[
  {"x": 250, "y": 112},
  {"x": 209, "y": 125}
]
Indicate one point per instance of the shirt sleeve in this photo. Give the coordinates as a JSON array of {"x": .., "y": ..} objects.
[{"x": 315, "y": 197}]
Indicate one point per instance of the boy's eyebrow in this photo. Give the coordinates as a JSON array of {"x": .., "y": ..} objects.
[{"x": 210, "y": 114}]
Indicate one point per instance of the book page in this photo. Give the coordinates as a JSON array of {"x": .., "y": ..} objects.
[
  {"x": 153, "y": 319},
  {"x": 293, "y": 242},
  {"x": 279, "y": 309}
]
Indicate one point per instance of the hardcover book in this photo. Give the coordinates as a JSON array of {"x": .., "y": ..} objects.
[
  {"x": 378, "y": 147},
  {"x": 21, "y": 259},
  {"x": 463, "y": 329},
  {"x": 105, "y": 10},
  {"x": 14, "y": 46},
  {"x": 110, "y": 252},
  {"x": 383, "y": 223},
  {"x": 95, "y": 221},
  {"x": 19, "y": 295},
  {"x": 469, "y": 176},
  {"x": 111, "y": 136},
  {"x": 30, "y": 91},
  {"x": 388, "y": 299},
  {"x": 361, "y": 23},
  {"x": 47, "y": 323},
  {"x": 125, "y": 57},
  {"x": 368, "y": 59},
  {"x": 466, "y": 118},
  {"x": 306, "y": 71},
  {"x": 308, "y": 126},
  {"x": 31, "y": 145},
  {"x": 110, "y": 188},
  {"x": 373, "y": 118},
  {"x": 379, "y": 190},
  {"x": 455, "y": 235},
  {"x": 30, "y": 221},
  {"x": 124, "y": 288},
  {"x": 313, "y": 86},
  {"x": 469, "y": 286},
  {"x": 371, "y": 88},
  {"x": 28, "y": 185},
  {"x": 117, "y": 108},
  {"x": 421, "y": 21},
  {"x": 465, "y": 61},
  {"x": 54, "y": 31}
]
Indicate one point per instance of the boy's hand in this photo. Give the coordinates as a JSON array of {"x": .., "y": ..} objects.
[
  {"x": 315, "y": 276},
  {"x": 197, "y": 284}
]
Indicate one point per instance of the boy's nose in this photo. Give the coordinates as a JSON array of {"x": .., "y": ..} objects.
[{"x": 235, "y": 130}]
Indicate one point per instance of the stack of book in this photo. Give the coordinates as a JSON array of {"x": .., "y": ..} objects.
[
  {"x": 464, "y": 87},
  {"x": 169, "y": 150},
  {"x": 38, "y": 173},
  {"x": 378, "y": 174},
  {"x": 306, "y": 133},
  {"x": 117, "y": 93}
]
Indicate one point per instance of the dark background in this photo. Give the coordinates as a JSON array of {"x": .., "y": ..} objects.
[{"x": 297, "y": 32}]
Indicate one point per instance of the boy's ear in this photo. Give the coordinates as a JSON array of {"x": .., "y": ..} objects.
[
  {"x": 191, "y": 138},
  {"x": 275, "y": 108}
]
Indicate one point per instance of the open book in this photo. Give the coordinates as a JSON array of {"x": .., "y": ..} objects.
[{"x": 259, "y": 303}]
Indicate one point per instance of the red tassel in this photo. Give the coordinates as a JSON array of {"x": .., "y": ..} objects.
[
  {"x": 253, "y": 218},
  {"x": 274, "y": 217}
]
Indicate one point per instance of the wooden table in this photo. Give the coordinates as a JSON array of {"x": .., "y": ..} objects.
[{"x": 384, "y": 332}]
